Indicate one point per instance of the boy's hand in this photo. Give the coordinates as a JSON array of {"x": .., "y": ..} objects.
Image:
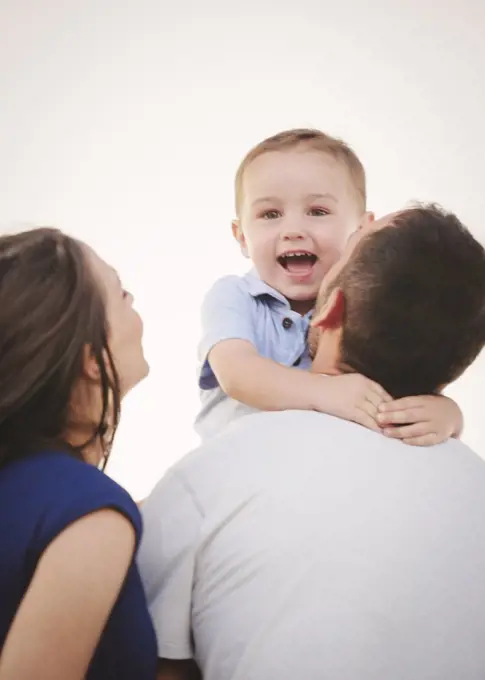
[
  {"x": 421, "y": 421},
  {"x": 353, "y": 397}
]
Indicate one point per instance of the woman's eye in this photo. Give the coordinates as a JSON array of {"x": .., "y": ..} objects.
[{"x": 271, "y": 215}]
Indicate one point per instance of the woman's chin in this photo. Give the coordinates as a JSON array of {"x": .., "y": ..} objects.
[
  {"x": 135, "y": 379},
  {"x": 146, "y": 370}
]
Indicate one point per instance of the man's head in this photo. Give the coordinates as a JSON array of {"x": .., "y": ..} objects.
[
  {"x": 406, "y": 304},
  {"x": 298, "y": 196}
]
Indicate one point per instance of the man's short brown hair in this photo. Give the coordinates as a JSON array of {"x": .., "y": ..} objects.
[
  {"x": 313, "y": 140},
  {"x": 414, "y": 302}
]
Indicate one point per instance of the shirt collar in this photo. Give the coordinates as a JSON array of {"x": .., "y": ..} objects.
[{"x": 257, "y": 288}]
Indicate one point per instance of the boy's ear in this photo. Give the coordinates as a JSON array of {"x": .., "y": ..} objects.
[
  {"x": 238, "y": 234},
  {"x": 330, "y": 316}
]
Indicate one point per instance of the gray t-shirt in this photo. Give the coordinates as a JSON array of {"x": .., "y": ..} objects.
[{"x": 297, "y": 545}]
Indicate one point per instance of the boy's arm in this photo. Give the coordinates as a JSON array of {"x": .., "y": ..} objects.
[
  {"x": 262, "y": 383},
  {"x": 230, "y": 358},
  {"x": 266, "y": 385}
]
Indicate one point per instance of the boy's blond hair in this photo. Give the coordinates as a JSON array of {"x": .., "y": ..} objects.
[{"x": 313, "y": 140}]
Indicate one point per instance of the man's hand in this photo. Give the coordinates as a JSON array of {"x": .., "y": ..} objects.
[
  {"x": 352, "y": 397},
  {"x": 421, "y": 421}
]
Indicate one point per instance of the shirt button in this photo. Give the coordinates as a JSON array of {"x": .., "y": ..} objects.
[{"x": 287, "y": 323}]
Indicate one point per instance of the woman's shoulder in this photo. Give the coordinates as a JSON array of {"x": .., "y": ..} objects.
[
  {"x": 58, "y": 469},
  {"x": 60, "y": 489}
]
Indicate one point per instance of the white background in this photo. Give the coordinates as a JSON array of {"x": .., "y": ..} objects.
[{"x": 123, "y": 123}]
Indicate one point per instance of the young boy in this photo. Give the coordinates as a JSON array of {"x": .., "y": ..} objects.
[{"x": 299, "y": 195}]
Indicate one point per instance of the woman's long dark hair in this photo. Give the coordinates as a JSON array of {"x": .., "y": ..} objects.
[{"x": 51, "y": 311}]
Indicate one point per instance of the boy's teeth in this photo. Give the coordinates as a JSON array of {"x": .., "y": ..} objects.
[
  {"x": 305, "y": 255},
  {"x": 299, "y": 264}
]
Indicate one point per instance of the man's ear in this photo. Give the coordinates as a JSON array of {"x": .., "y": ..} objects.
[
  {"x": 330, "y": 316},
  {"x": 238, "y": 234},
  {"x": 367, "y": 218}
]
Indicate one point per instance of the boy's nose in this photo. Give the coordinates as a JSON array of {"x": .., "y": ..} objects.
[{"x": 293, "y": 235}]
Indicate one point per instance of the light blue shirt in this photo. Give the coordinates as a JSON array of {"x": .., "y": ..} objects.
[{"x": 245, "y": 308}]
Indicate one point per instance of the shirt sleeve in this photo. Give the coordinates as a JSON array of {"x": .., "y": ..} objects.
[
  {"x": 172, "y": 522},
  {"x": 226, "y": 315}
]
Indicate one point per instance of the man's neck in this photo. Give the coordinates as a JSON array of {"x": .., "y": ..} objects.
[{"x": 326, "y": 360}]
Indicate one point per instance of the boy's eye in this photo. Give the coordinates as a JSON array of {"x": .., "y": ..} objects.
[
  {"x": 271, "y": 214},
  {"x": 318, "y": 212}
]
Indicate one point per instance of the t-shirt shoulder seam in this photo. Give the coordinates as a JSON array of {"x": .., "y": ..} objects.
[{"x": 190, "y": 491}]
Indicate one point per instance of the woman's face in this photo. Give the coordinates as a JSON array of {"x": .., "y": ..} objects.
[{"x": 125, "y": 325}]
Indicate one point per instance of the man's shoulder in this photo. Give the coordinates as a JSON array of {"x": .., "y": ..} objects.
[
  {"x": 256, "y": 435},
  {"x": 252, "y": 454},
  {"x": 304, "y": 435},
  {"x": 459, "y": 450},
  {"x": 304, "y": 454}
]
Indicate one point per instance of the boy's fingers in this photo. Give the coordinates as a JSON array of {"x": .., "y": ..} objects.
[
  {"x": 424, "y": 440},
  {"x": 409, "y": 431},
  {"x": 370, "y": 404},
  {"x": 402, "y": 404},
  {"x": 374, "y": 400},
  {"x": 380, "y": 392},
  {"x": 400, "y": 417},
  {"x": 363, "y": 418}
]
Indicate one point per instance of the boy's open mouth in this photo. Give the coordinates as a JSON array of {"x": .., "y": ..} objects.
[{"x": 298, "y": 262}]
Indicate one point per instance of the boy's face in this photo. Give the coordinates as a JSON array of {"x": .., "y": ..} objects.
[{"x": 297, "y": 211}]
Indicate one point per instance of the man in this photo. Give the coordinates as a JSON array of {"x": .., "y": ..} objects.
[{"x": 298, "y": 545}]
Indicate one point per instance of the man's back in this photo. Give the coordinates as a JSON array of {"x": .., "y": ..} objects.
[{"x": 324, "y": 550}]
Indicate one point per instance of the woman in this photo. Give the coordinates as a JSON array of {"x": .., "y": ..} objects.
[{"x": 71, "y": 600}]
